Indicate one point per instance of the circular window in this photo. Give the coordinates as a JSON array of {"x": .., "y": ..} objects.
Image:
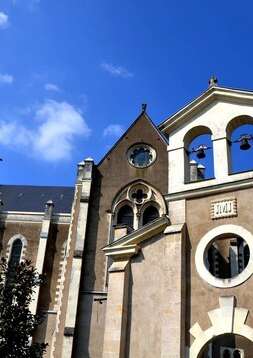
[
  {"x": 223, "y": 256},
  {"x": 141, "y": 155},
  {"x": 227, "y": 256}
]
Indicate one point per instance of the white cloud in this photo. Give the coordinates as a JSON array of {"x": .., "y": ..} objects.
[
  {"x": 116, "y": 71},
  {"x": 52, "y": 139},
  {"x": 4, "y": 20},
  {"x": 113, "y": 130},
  {"x": 6, "y": 78},
  {"x": 51, "y": 87},
  {"x": 60, "y": 123},
  {"x": 11, "y": 133}
]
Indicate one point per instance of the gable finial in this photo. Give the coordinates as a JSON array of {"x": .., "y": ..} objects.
[
  {"x": 144, "y": 107},
  {"x": 213, "y": 81}
]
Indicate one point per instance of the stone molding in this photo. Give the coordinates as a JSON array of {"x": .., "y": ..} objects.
[
  {"x": 208, "y": 97},
  {"x": 204, "y": 244},
  {"x": 129, "y": 245},
  {"x": 226, "y": 319},
  {"x": 34, "y": 217},
  {"x": 212, "y": 189}
]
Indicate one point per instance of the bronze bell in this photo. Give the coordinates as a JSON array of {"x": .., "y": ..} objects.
[
  {"x": 244, "y": 145},
  {"x": 200, "y": 150}
]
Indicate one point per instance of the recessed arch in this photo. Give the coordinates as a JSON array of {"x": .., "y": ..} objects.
[
  {"x": 150, "y": 213},
  {"x": 15, "y": 253},
  {"x": 236, "y": 122},
  {"x": 239, "y": 134},
  {"x": 227, "y": 319},
  {"x": 12, "y": 240},
  {"x": 227, "y": 346},
  {"x": 198, "y": 154},
  {"x": 195, "y": 132},
  {"x": 138, "y": 195},
  {"x": 125, "y": 215}
]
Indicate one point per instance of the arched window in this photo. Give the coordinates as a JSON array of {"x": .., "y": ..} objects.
[
  {"x": 125, "y": 216},
  {"x": 15, "y": 254},
  {"x": 237, "y": 354},
  {"x": 240, "y": 140},
  {"x": 226, "y": 354},
  {"x": 150, "y": 214},
  {"x": 198, "y": 154}
]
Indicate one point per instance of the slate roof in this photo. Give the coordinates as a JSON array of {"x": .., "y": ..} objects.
[{"x": 33, "y": 198}]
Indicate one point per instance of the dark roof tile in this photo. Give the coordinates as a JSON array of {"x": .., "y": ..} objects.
[{"x": 33, "y": 198}]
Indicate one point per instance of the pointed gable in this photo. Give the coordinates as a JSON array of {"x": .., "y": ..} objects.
[{"x": 115, "y": 164}]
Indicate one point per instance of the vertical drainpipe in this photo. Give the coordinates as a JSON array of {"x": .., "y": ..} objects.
[
  {"x": 84, "y": 179},
  {"x": 45, "y": 227}
]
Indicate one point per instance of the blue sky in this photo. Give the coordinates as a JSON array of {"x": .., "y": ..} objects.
[{"x": 80, "y": 70}]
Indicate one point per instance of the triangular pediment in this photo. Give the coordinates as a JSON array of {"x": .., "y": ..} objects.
[{"x": 205, "y": 100}]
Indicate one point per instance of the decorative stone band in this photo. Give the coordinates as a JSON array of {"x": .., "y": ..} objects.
[
  {"x": 226, "y": 319},
  {"x": 211, "y": 189}
]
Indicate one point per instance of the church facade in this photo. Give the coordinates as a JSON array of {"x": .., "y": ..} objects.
[{"x": 151, "y": 253}]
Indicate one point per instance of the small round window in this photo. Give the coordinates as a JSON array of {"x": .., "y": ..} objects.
[
  {"x": 227, "y": 257},
  {"x": 141, "y": 155},
  {"x": 224, "y": 256}
]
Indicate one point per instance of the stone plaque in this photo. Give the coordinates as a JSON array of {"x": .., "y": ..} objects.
[{"x": 224, "y": 208}]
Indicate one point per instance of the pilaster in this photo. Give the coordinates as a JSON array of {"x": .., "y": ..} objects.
[
  {"x": 116, "y": 310},
  {"x": 174, "y": 324},
  {"x": 42, "y": 249},
  {"x": 84, "y": 179}
]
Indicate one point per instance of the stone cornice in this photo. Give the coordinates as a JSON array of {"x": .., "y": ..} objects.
[
  {"x": 128, "y": 245},
  {"x": 208, "y": 97},
  {"x": 34, "y": 217},
  {"x": 210, "y": 190}
]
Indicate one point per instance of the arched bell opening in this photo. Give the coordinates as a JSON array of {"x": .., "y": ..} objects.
[
  {"x": 240, "y": 144},
  {"x": 198, "y": 147},
  {"x": 227, "y": 346}
]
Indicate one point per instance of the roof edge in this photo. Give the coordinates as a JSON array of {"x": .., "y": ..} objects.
[
  {"x": 210, "y": 94},
  {"x": 143, "y": 113}
]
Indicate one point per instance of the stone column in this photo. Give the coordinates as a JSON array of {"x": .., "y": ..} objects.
[
  {"x": 42, "y": 249},
  {"x": 116, "y": 310},
  {"x": 179, "y": 170},
  {"x": 84, "y": 179},
  {"x": 221, "y": 158}
]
